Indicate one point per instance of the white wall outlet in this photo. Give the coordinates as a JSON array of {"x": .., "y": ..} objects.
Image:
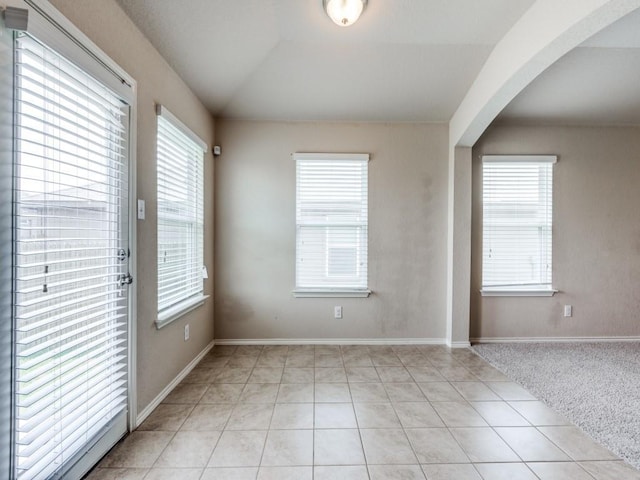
[
  {"x": 568, "y": 311},
  {"x": 140, "y": 209},
  {"x": 186, "y": 332},
  {"x": 337, "y": 312}
]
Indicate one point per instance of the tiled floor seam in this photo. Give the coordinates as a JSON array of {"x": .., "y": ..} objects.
[
  {"x": 366, "y": 464},
  {"x": 454, "y": 361}
]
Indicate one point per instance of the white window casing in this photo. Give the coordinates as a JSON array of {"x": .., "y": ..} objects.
[
  {"x": 180, "y": 176},
  {"x": 331, "y": 225},
  {"x": 517, "y": 225}
]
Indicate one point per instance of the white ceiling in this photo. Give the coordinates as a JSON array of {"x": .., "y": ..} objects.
[
  {"x": 595, "y": 84},
  {"x": 405, "y": 60}
]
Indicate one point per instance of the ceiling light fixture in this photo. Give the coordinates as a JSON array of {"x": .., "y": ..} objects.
[{"x": 344, "y": 12}]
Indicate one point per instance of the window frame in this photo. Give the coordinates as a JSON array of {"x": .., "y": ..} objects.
[
  {"x": 189, "y": 302},
  {"x": 360, "y": 232},
  {"x": 541, "y": 289}
]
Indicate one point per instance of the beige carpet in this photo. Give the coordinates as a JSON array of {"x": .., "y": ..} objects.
[{"x": 594, "y": 385}]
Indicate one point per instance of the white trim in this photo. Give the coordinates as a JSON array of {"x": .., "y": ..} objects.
[
  {"x": 519, "y": 159},
  {"x": 146, "y": 411},
  {"x": 330, "y": 156},
  {"x": 458, "y": 344},
  {"x": 79, "y": 467},
  {"x": 133, "y": 265},
  {"x": 7, "y": 254},
  {"x": 318, "y": 293},
  {"x": 553, "y": 339},
  {"x": 330, "y": 341},
  {"x": 174, "y": 312},
  {"x": 50, "y": 26},
  {"x": 517, "y": 293},
  {"x": 162, "y": 111}
]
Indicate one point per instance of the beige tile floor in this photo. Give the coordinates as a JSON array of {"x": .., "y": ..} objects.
[{"x": 354, "y": 413}]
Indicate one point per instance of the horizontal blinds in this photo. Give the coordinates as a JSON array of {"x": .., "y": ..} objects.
[
  {"x": 517, "y": 195},
  {"x": 71, "y": 212},
  {"x": 331, "y": 221},
  {"x": 180, "y": 214}
]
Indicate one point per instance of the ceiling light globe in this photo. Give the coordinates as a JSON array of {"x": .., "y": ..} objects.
[{"x": 344, "y": 12}]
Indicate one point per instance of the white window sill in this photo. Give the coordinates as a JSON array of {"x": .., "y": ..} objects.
[
  {"x": 173, "y": 313},
  {"x": 330, "y": 293},
  {"x": 494, "y": 292}
]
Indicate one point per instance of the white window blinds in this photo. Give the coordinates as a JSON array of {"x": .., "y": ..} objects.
[
  {"x": 331, "y": 222},
  {"x": 180, "y": 173},
  {"x": 71, "y": 214},
  {"x": 517, "y": 197}
]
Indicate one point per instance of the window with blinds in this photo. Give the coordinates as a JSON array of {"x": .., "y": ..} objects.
[
  {"x": 517, "y": 199},
  {"x": 71, "y": 317},
  {"x": 180, "y": 164},
  {"x": 331, "y": 223}
]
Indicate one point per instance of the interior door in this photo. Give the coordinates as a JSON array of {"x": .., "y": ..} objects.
[{"x": 71, "y": 259}]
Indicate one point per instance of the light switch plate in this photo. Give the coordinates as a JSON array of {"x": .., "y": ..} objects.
[{"x": 140, "y": 209}]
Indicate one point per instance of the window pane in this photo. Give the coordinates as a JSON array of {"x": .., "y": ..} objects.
[
  {"x": 332, "y": 211},
  {"x": 517, "y": 224},
  {"x": 180, "y": 216},
  {"x": 71, "y": 214}
]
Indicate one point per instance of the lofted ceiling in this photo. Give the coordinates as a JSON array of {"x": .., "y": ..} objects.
[
  {"x": 594, "y": 84},
  {"x": 405, "y": 60}
]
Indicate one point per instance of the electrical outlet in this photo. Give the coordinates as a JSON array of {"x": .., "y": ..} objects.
[
  {"x": 337, "y": 312},
  {"x": 568, "y": 311},
  {"x": 186, "y": 332}
]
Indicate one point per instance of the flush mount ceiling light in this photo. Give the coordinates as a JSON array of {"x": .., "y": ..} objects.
[{"x": 344, "y": 12}]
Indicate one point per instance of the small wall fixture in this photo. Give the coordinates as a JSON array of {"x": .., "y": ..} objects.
[{"x": 344, "y": 12}]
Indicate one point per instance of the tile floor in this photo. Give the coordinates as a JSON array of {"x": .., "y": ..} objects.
[{"x": 354, "y": 413}]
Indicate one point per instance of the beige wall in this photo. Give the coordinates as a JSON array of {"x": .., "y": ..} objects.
[
  {"x": 162, "y": 354},
  {"x": 255, "y": 232},
  {"x": 596, "y": 235}
]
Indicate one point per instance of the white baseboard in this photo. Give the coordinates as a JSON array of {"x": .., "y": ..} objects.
[
  {"x": 458, "y": 344},
  {"x": 142, "y": 416},
  {"x": 553, "y": 339},
  {"x": 330, "y": 341}
]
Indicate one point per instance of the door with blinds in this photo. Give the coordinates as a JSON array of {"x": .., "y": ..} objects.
[{"x": 71, "y": 258}]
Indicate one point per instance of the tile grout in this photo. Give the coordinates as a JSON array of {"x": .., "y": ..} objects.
[{"x": 455, "y": 370}]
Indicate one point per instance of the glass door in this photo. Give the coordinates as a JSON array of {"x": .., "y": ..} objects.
[{"x": 70, "y": 263}]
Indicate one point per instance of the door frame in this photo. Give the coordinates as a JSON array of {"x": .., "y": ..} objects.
[
  {"x": 51, "y": 26},
  {"x": 6, "y": 255}
]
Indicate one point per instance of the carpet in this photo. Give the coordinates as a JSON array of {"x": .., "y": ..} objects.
[{"x": 594, "y": 385}]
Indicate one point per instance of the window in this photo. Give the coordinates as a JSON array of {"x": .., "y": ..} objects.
[
  {"x": 71, "y": 189},
  {"x": 517, "y": 193},
  {"x": 180, "y": 218},
  {"x": 331, "y": 224}
]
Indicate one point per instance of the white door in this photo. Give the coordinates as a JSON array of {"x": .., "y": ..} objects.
[{"x": 71, "y": 259}]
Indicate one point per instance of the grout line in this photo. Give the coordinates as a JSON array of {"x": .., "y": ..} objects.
[
  {"x": 355, "y": 416},
  {"x": 456, "y": 361},
  {"x": 313, "y": 434}
]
